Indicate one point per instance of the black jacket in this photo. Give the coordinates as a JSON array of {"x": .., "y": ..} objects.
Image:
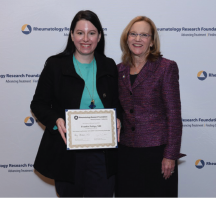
[{"x": 60, "y": 88}]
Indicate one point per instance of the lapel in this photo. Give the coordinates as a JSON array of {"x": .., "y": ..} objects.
[
  {"x": 69, "y": 70},
  {"x": 125, "y": 76},
  {"x": 68, "y": 66},
  {"x": 146, "y": 72}
]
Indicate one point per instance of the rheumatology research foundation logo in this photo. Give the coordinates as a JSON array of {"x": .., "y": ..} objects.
[
  {"x": 29, "y": 121},
  {"x": 199, "y": 163},
  {"x": 26, "y": 29},
  {"x": 191, "y": 31},
  {"x": 202, "y": 75}
]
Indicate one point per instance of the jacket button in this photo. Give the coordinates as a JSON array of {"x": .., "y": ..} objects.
[
  {"x": 131, "y": 111},
  {"x": 133, "y": 128},
  {"x": 130, "y": 93},
  {"x": 104, "y": 95}
]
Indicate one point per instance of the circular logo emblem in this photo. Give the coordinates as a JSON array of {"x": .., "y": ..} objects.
[
  {"x": 202, "y": 75},
  {"x": 26, "y": 29},
  {"x": 199, "y": 163},
  {"x": 76, "y": 117},
  {"x": 29, "y": 121}
]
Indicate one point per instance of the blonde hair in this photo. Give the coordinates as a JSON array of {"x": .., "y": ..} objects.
[{"x": 154, "y": 52}]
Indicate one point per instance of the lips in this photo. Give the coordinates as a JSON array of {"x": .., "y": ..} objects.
[
  {"x": 137, "y": 45},
  {"x": 85, "y": 45}
]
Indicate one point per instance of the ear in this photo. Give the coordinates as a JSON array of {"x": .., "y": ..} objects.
[
  {"x": 72, "y": 36},
  {"x": 99, "y": 37},
  {"x": 151, "y": 44}
]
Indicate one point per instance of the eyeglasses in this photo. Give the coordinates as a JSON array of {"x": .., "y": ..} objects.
[{"x": 142, "y": 36}]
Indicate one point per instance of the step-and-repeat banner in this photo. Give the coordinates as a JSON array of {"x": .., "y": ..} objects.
[{"x": 31, "y": 31}]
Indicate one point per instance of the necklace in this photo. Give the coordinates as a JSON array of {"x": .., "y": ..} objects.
[
  {"x": 139, "y": 69},
  {"x": 92, "y": 104}
]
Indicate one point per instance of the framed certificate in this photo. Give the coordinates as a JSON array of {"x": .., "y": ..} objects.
[{"x": 91, "y": 128}]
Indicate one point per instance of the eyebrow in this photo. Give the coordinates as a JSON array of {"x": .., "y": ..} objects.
[
  {"x": 89, "y": 30},
  {"x": 140, "y": 33}
]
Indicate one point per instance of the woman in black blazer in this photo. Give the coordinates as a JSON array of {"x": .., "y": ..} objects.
[{"x": 82, "y": 172}]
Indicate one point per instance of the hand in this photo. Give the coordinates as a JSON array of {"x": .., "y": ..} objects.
[
  {"x": 168, "y": 166},
  {"x": 118, "y": 128},
  {"x": 61, "y": 128}
]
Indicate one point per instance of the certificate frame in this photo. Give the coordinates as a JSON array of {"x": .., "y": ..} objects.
[{"x": 92, "y": 116}]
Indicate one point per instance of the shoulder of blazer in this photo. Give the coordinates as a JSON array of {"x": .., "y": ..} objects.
[
  {"x": 166, "y": 62},
  {"x": 121, "y": 67},
  {"x": 62, "y": 64},
  {"x": 58, "y": 61}
]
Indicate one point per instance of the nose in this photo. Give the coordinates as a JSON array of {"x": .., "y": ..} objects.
[
  {"x": 85, "y": 37},
  {"x": 138, "y": 38}
]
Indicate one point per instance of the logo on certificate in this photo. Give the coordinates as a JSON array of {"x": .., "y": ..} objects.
[{"x": 75, "y": 117}]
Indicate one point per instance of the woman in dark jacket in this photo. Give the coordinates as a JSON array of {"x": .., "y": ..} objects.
[{"x": 73, "y": 79}]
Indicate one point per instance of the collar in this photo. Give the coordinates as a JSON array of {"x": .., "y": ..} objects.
[
  {"x": 146, "y": 72},
  {"x": 102, "y": 66},
  {"x": 150, "y": 66}
]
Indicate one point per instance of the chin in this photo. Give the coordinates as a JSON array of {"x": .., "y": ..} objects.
[
  {"x": 86, "y": 52},
  {"x": 139, "y": 54}
]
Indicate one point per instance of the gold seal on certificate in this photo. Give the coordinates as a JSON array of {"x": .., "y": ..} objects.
[{"x": 91, "y": 128}]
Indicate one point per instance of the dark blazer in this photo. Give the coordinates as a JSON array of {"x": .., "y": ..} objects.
[
  {"x": 60, "y": 88},
  {"x": 152, "y": 107}
]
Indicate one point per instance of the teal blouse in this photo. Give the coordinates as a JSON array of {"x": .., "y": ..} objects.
[{"x": 87, "y": 75}]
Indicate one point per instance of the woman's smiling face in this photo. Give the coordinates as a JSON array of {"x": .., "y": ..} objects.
[
  {"x": 137, "y": 45},
  {"x": 85, "y": 37}
]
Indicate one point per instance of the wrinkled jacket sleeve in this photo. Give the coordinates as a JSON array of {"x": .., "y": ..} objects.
[
  {"x": 41, "y": 104},
  {"x": 171, "y": 98}
]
